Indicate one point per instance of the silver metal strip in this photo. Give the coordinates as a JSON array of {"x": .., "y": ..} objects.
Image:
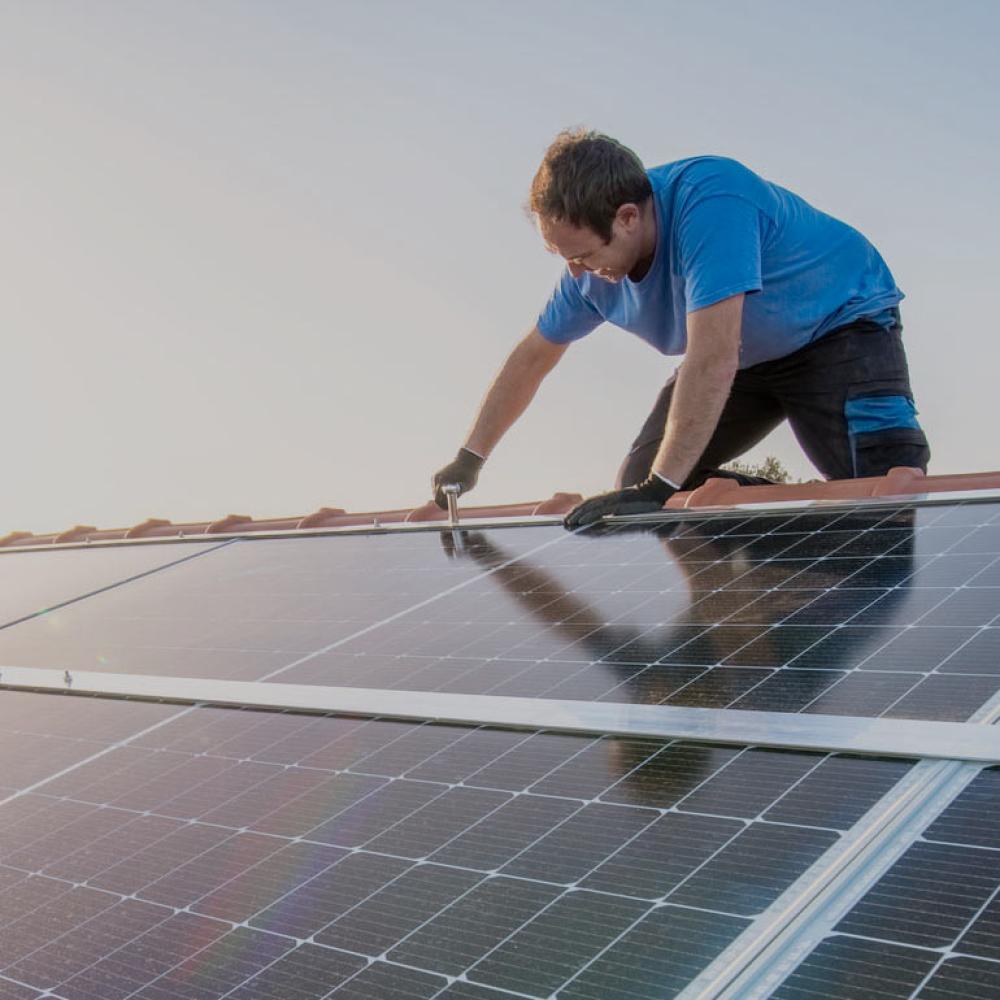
[
  {"x": 742, "y": 961},
  {"x": 777, "y": 941},
  {"x": 771, "y": 964},
  {"x": 848, "y": 734}
]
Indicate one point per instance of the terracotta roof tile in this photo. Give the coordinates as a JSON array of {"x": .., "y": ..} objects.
[{"x": 714, "y": 493}]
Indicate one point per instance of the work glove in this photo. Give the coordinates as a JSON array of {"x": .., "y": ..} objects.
[
  {"x": 643, "y": 498},
  {"x": 464, "y": 471}
]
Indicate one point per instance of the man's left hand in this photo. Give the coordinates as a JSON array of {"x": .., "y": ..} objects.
[{"x": 644, "y": 498}]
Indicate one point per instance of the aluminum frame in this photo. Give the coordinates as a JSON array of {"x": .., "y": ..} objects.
[
  {"x": 532, "y": 520},
  {"x": 829, "y": 733}
]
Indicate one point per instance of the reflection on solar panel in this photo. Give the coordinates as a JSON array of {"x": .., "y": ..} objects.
[
  {"x": 183, "y": 852},
  {"x": 839, "y": 613},
  {"x": 240, "y": 611}
]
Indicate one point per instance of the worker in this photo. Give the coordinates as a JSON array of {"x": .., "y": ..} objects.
[{"x": 779, "y": 310}]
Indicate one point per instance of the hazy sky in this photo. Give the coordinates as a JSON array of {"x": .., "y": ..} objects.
[{"x": 265, "y": 257}]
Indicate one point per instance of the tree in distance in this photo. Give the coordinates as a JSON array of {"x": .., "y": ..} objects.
[{"x": 771, "y": 468}]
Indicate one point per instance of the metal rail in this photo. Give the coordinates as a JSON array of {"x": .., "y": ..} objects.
[{"x": 829, "y": 733}]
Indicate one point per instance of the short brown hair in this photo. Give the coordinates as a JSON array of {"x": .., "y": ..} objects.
[{"x": 585, "y": 177}]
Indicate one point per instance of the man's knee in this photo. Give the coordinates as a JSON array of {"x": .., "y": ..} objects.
[
  {"x": 875, "y": 454},
  {"x": 884, "y": 433}
]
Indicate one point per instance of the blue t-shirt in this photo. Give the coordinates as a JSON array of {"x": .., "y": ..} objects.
[{"x": 722, "y": 230}]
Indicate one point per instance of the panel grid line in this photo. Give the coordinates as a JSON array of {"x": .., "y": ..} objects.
[{"x": 118, "y": 583}]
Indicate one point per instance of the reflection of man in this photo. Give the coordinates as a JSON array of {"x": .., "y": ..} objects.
[
  {"x": 708, "y": 563},
  {"x": 779, "y": 310}
]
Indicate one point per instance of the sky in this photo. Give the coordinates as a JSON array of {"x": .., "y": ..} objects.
[{"x": 263, "y": 257}]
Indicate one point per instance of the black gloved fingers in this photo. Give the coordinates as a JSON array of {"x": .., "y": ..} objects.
[
  {"x": 462, "y": 471},
  {"x": 588, "y": 512},
  {"x": 644, "y": 498}
]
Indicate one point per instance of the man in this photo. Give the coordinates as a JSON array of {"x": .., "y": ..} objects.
[{"x": 779, "y": 310}]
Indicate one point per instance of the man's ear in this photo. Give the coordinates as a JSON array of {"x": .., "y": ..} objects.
[{"x": 628, "y": 216}]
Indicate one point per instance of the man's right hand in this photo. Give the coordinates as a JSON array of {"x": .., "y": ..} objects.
[{"x": 463, "y": 471}]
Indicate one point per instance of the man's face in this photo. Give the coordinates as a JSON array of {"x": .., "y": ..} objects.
[{"x": 584, "y": 251}]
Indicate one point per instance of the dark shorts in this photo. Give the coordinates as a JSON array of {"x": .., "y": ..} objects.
[{"x": 847, "y": 397}]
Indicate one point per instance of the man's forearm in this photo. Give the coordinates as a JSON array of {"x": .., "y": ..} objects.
[
  {"x": 511, "y": 391},
  {"x": 703, "y": 385},
  {"x": 700, "y": 395}
]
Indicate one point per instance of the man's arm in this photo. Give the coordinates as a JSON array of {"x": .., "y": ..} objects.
[
  {"x": 702, "y": 388},
  {"x": 703, "y": 385},
  {"x": 512, "y": 390},
  {"x": 507, "y": 398}
]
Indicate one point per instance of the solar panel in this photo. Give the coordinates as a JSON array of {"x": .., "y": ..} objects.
[
  {"x": 170, "y": 852},
  {"x": 858, "y": 612},
  {"x": 841, "y": 612},
  {"x": 279, "y": 855},
  {"x": 930, "y": 927},
  {"x": 32, "y": 582},
  {"x": 241, "y": 610}
]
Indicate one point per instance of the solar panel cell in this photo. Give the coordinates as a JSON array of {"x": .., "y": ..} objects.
[
  {"x": 843, "y": 968},
  {"x": 838, "y": 792},
  {"x": 657, "y": 957},
  {"x": 576, "y": 847},
  {"x": 466, "y": 991},
  {"x": 529, "y": 761},
  {"x": 713, "y": 645},
  {"x": 928, "y": 897},
  {"x": 596, "y": 767},
  {"x": 981, "y": 655},
  {"x": 382, "y": 981},
  {"x": 184, "y": 843},
  {"x": 445, "y": 818},
  {"x": 787, "y": 691},
  {"x": 920, "y": 648},
  {"x": 718, "y": 688},
  {"x": 776, "y": 647},
  {"x": 751, "y": 782},
  {"x": 222, "y": 966},
  {"x": 60, "y": 958},
  {"x": 308, "y": 973},
  {"x": 14, "y": 991},
  {"x": 963, "y": 979},
  {"x": 482, "y": 919},
  {"x": 548, "y": 950},
  {"x": 661, "y": 856},
  {"x": 664, "y": 779},
  {"x": 863, "y": 694},
  {"x": 754, "y": 869},
  {"x": 151, "y": 954},
  {"x": 376, "y": 924},
  {"x": 971, "y": 818},
  {"x": 254, "y": 887},
  {"x": 490, "y": 844},
  {"x": 983, "y": 936},
  {"x": 945, "y": 698},
  {"x": 306, "y": 910},
  {"x": 847, "y": 647}
]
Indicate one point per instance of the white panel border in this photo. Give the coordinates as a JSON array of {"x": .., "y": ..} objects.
[{"x": 848, "y": 734}]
